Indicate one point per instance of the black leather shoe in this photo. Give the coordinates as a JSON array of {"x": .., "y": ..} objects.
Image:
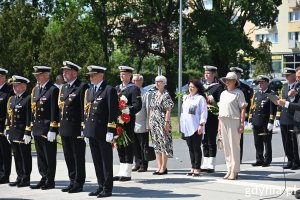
[
  {"x": 289, "y": 165},
  {"x": 48, "y": 186},
  {"x": 203, "y": 170},
  {"x": 67, "y": 188},
  {"x": 189, "y": 174},
  {"x": 163, "y": 173},
  {"x": 116, "y": 178},
  {"x": 135, "y": 168},
  {"x": 4, "y": 180},
  {"x": 297, "y": 192},
  {"x": 142, "y": 170},
  {"x": 39, "y": 185},
  {"x": 96, "y": 193},
  {"x": 104, "y": 194},
  {"x": 155, "y": 173},
  {"x": 210, "y": 170},
  {"x": 124, "y": 178},
  {"x": 75, "y": 189},
  {"x": 297, "y": 196},
  {"x": 15, "y": 183},
  {"x": 265, "y": 164},
  {"x": 24, "y": 184},
  {"x": 257, "y": 164},
  {"x": 295, "y": 167}
]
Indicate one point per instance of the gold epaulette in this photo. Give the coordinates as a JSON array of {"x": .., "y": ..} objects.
[
  {"x": 82, "y": 125},
  {"x": 28, "y": 128},
  {"x": 54, "y": 124},
  {"x": 271, "y": 117},
  {"x": 278, "y": 114},
  {"x": 112, "y": 125}
]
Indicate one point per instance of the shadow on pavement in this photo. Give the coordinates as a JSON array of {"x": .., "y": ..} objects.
[
  {"x": 14, "y": 199},
  {"x": 136, "y": 192},
  {"x": 266, "y": 175},
  {"x": 173, "y": 180}
]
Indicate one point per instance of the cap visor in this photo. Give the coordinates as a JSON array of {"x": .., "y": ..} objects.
[{"x": 89, "y": 73}]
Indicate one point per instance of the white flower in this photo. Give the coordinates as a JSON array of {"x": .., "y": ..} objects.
[
  {"x": 211, "y": 98},
  {"x": 120, "y": 120},
  {"x": 124, "y": 98},
  {"x": 126, "y": 110}
]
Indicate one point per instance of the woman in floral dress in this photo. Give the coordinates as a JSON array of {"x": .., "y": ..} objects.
[{"x": 161, "y": 105}]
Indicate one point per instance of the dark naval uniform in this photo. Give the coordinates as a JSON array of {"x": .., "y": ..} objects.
[
  {"x": 289, "y": 138},
  {"x": 17, "y": 125},
  {"x": 295, "y": 106},
  {"x": 262, "y": 112},
  {"x": 44, "y": 119},
  {"x": 101, "y": 112},
  {"x": 211, "y": 127},
  {"x": 71, "y": 107},
  {"x": 248, "y": 93},
  {"x": 133, "y": 94},
  {"x": 5, "y": 148}
]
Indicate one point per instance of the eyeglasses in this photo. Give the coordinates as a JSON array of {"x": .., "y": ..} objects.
[
  {"x": 158, "y": 81},
  {"x": 135, "y": 80}
]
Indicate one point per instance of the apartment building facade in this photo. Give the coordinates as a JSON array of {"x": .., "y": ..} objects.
[{"x": 285, "y": 36}]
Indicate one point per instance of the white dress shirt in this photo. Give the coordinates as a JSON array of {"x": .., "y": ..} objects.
[
  {"x": 98, "y": 86},
  {"x": 194, "y": 113}
]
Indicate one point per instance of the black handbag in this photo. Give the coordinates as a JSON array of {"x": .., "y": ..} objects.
[{"x": 149, "y": 153}]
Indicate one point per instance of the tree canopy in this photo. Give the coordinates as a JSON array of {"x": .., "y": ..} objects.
[{"x": 142, "y": 34}]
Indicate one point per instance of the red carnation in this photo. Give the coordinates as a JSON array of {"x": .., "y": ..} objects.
[
  {"x": 119, "y": 130},
  {"x": 125, "y": 117},
  {"x": 122, "y": 104},
  {"x": 208, "y": 101}
]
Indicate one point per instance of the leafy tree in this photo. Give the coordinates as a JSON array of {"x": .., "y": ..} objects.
[
  {"x": 69, "y": 40},
  {"x": 153, "y": 23},
  {"x": 222, "y": 28},
  {"x": 263, "y": 60},
  {"x": 21, "y": 32}
]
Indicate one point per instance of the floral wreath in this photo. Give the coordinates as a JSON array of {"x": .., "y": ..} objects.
[{"x": 122, "y": 139}]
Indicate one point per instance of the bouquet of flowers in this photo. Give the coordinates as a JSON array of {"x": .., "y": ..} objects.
[
  {"x": 212, "y": 104},
  {"x": 122, "y": 139}
]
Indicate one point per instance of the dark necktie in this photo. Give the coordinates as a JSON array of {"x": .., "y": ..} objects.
[{"x": 40, "y": 90}]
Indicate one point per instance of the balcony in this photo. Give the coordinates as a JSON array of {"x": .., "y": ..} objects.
[
  {"x": 293, "y": 44},
  {"x": 294, "y": 3}
]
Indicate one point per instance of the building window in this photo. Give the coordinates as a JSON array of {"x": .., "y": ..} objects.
[
  {"x": 294, "y": 36},
  {"x": 294, "y": 16},
  {"x": 272, "y": 37}
]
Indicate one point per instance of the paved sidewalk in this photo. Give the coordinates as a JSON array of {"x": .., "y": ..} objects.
[{"x": 253, "y": 183}]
